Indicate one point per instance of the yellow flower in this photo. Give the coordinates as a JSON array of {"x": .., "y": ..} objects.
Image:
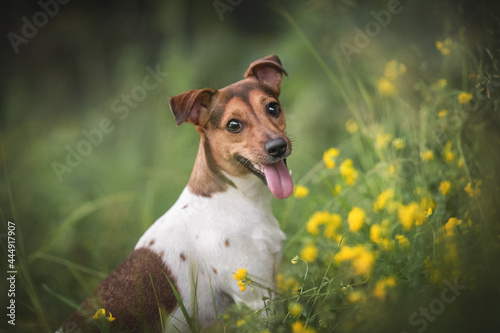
[
  {"x": 427, "y": 155},
  {"x": 375, "y": 233},
  {"x": 473, "y": 192},
  {"x": 355, "y": 296},
  {"x": 241, "y": 322},
  {"x": 332, "y": 224},
  {"x": 442, "y": 113},
  {"x": 380, "y": 290},
  {"x": 383, "y": 199},
  {"x": 445, "y": 187},
  {"x": 101, "y": 313},
  {"x": 398, "y": 143},
  {"x": 441, "y": 83},
  {"x": 356, "y": 219},
  {"x": 337, "y": 189},
  {"x": 393, "y": 69},
  {"x": 241, "y": 277},
  {"x": 410, "y": 215},
  {"x": 309, "y": 253},
  {"x": 351, "y": 126},
  {"x": 110, "y": 318},
  {"x": 286, "y": 285},
  {"x": 451, "y": 254},
  {"x": 385, "y": 87},
  {"x": 363, "y": 263},
  {"x": 450, "y": 225},
  {"x": 298, "y": 327},
  {"x": 444, "y": 47},
  {"x": 329, "y": 157},
  {"x": 295, "y": 309},
  {"x": 403, "y": 241},
  {"x": 382, "y": 140},
  {"x": 300, "y": 192},
  {"x": 348, "y": 172},
  {"x": 317, "y": 219},
  {"x": 362, "y": 259},
  {"x": 241, "y": 274},
  {"x": 464, "y": 98}
]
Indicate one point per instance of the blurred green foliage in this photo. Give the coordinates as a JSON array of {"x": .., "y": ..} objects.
[{"x": 73, "y": 230}]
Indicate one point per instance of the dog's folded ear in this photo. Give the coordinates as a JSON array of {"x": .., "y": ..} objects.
[
  {"x": 188, "y": 107},
  {"x": 269, "y": 71}
]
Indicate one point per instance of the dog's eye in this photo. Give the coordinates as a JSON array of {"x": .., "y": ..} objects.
[
  {"x": 233, "y": 126},
  {"x": 274, "y": 109}
]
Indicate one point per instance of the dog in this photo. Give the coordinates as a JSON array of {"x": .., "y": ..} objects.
[{"x": 184, "y": 263}]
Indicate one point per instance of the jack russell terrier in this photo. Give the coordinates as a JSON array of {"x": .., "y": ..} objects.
[{"x": 221, "y": 222}]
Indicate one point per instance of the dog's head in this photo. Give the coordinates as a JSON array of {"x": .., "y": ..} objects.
[{"x": 243, "y": 125}]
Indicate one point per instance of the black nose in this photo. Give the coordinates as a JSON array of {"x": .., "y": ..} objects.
[{"x": 276, "y": 147}]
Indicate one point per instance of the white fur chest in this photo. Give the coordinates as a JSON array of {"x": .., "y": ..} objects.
[{"x": 204, "y": 241}]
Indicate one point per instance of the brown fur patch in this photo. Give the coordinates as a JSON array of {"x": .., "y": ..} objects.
[
  {"x": 183, "y": 256},
  {"x": 151, "y": 242},
  {"x": 132, "y": 293},
  {"x": 227, "y": 242}
]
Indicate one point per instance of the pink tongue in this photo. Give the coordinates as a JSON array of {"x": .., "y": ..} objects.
[{"x": 278, "y": 179}]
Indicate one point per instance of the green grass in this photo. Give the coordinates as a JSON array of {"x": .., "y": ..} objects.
[{"x": 71, "y": 234}]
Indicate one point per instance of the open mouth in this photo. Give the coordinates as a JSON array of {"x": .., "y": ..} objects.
[{"x": 275, "y": 175}]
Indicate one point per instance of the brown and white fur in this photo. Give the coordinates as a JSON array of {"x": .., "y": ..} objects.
[{"x": 221, "y": 222}]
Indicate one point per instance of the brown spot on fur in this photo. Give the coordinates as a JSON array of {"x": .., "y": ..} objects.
[
  {"x": 183, "y": 256},
  {"x": 133, "y": 292},
  {"x": 151, "y": 242},
  {"x": 214, "y": 270},
  {"x": 227, "y": 242},
  {"x": 184, "y": 207},
  {"x": 197, "y": 237}
]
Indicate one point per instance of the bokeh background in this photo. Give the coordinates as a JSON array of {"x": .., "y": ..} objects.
[{"x": 74, "y": 226}]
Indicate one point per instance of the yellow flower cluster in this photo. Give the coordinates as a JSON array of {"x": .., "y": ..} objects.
[
  {"x": 242, "y": 278},
  {"x": 348, "y": 172},
  {"x": 398, "y": 143},
  {"x": 361, "y": 258},
  {"x": 442, "y": 113},
  {"x": 403, "y": 241},
  {"x": 476, "y": 191},
  {"x": 427, "y": 155},
  {"x": 447, "y": 153},
  {"x": 288, "y": 284},
  {"x": 380, "y": 290},
  {"x": 392, "y": 70},
  {"x": 383, "y": 200},
  {"x": 445, "y": 187},
  {"x": 295, "y": 309},
  {"x": 309, "y": 253},
  {"x": 382, "y": 139},
  {"x": 411, "y": 214},
  {"x": 450, "y": 226},
  {"x": 331, "y": 222},
  {"x": 444, "y": 46},
  {"x": 356, "y": 219},
  {"x": 101, "y": 314},
  {"x": 300, "y": 192},
  {"x": 329, "y": 157},
  {"x": 351, "y": 126},
  {"x": 386, "y": 87},
  {"x": 464, "y": 98},
  {"x": 298, "y": 327}
]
